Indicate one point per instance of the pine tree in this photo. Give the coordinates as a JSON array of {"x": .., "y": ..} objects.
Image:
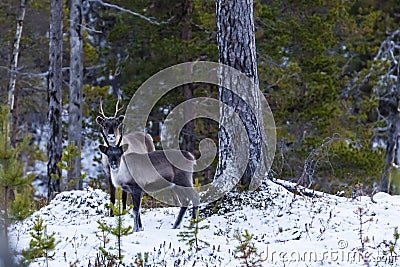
[
  {"x": 246, "y": 251},
  {"x": 41, "y": 243},
  {"x": 118, "y": 230},
  {"x": 21, "y": 207},
  {"x": 11, "y": 168},
  {"x": 55, "y": 80},
  {"x": 191, "y": 236},
  {"x": 237, "y": 49},
  {"x": 76, "y": 91}
]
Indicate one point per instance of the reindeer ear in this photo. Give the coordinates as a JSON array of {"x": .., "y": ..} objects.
[
  {"x": 124, "y": 147},
  {"x": 99, "y": 120},
  {"x": 120, "y": 119},
  {"x": 103, "y": 149}
]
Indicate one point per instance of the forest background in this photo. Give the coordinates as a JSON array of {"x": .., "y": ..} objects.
[{"x": 329, "y": 70}]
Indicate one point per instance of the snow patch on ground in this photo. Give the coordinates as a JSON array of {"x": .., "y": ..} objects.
[{"x": 290, "y": 230}]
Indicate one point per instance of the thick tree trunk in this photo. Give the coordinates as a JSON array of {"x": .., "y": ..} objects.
[
  {"x": 76, "y": 87},
  {"x": 236, "y": 47},
  {"x": 55, "y": 79},
  {"x": 188, "y": 130},
  {"x": 13, "y": 71}
]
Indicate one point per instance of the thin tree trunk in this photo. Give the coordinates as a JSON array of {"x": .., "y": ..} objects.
[
  {"x": 6, "y": 212},
  {"x": 236, "y": 48},
  {"x": 392, "y": 144},
  {"x": 5, "y": 254},
  {"x": 13, "y": 71},
  {"x": 76, "y": 86},
  {"x": 55, "y": 79},
  {"x": 188, "y": 130}
]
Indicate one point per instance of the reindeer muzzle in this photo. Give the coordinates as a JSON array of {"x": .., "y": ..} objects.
[{"x": 111, "y": 138}]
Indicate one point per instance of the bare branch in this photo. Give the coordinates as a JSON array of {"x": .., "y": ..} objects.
[
  {"x": 88, "y": 28},
  {"x": 44, "y": 74},
  {"x": 313, "y": 160},
  {"x": 34, "y": 75},
  {"x": 148, "y": 19}
]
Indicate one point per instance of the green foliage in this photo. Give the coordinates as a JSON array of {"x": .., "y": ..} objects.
[
  {"x": 11, "y": 168},
  {"x": 11, "y": 171},
  {"x": 117, "y": 230},
  {"x": 246, "y": 251},
  {"x": 67, "y": 160},
  {"x": 141, "y": 259},
  {"x": 308, "y": 51},
  {"x": 191, "y": 236},
  {"x": 41, "y": 243},
  {"x": 349, "y": 160},
  {"x": 21, "y": 207},
  {"x": 393, "y": 244},
  {"x": 390, "y": 248}
]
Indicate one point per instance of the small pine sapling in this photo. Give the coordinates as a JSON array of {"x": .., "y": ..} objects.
[
  {"x": 118, "y": 230},
  {"x": 361, "y": 213},
  {"x": 21, "y": 207},
  {"x": 70, "y": 152},
  {"x": 41, "y": 243},
  {"x": 12, "y": 175},
  {"x": 142, "y": 259},
  {"x": 197, "y": 185},
  {"x": 390, "y": 251},
  {"x": 191, "y": 236},
  {"x": 393, "y": 244},
  {"x": 246, "y": 251}
]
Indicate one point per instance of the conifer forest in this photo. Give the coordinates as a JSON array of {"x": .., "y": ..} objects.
[{"x": 328, "y": 70}]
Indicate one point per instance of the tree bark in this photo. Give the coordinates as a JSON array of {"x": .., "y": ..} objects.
[
  {"x": 76, "y": 87},
  {"x": 188, "y": 130},
  {"x": 13, "y": 71},
  {"x": 236, "y": 48},
  {"x": 393, "y": 142},
  {"x": 55, "y": 79}
]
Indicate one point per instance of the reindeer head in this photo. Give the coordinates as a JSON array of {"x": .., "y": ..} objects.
[
  {"x": 114, "y": 153},
  {"x": 110, "y": 125}
]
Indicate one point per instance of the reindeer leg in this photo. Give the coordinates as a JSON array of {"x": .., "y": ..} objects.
[
  {"x": 184, "y": 199},
  {"x": 179, "y": 218},
  {"x": 141, "y": 228},
  {"x": 136, "y": 199},
  {"x": 196, "y": 202},
  {"x": 124, "y": 198},
  {"x": 112, "y": 194}
]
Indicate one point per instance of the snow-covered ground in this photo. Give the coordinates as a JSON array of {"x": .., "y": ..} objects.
[{"x": 289, "y": 230}]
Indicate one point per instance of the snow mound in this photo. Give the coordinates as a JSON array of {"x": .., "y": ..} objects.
[
  {"x": 288, "y": 229},
  {"x": 71, "y": 207}
]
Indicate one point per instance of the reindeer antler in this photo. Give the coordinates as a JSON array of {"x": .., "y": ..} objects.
[
  {"x": 116, "y": 109},
  {"x": 101, "y": 109},
  {"x": 120, "y": 140},
  {"x": 105, "y": 137}
]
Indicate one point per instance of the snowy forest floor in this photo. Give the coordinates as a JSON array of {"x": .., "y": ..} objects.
[{"x": 289, "y": 230}]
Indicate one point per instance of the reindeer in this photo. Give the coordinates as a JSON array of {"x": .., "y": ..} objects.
[
  {"x": 141, "y": 143},
  {"x": 154, "y": 173}
]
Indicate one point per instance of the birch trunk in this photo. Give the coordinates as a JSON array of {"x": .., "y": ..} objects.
[
  {"x": 13, "y": 71},
  {"x": 76, "y": 87},
  {"x": 236, "y": 48},
  {"x": 55, "y": 79}
]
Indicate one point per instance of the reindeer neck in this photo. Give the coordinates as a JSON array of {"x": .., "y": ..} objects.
[{"x": 114, "y": 177}]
